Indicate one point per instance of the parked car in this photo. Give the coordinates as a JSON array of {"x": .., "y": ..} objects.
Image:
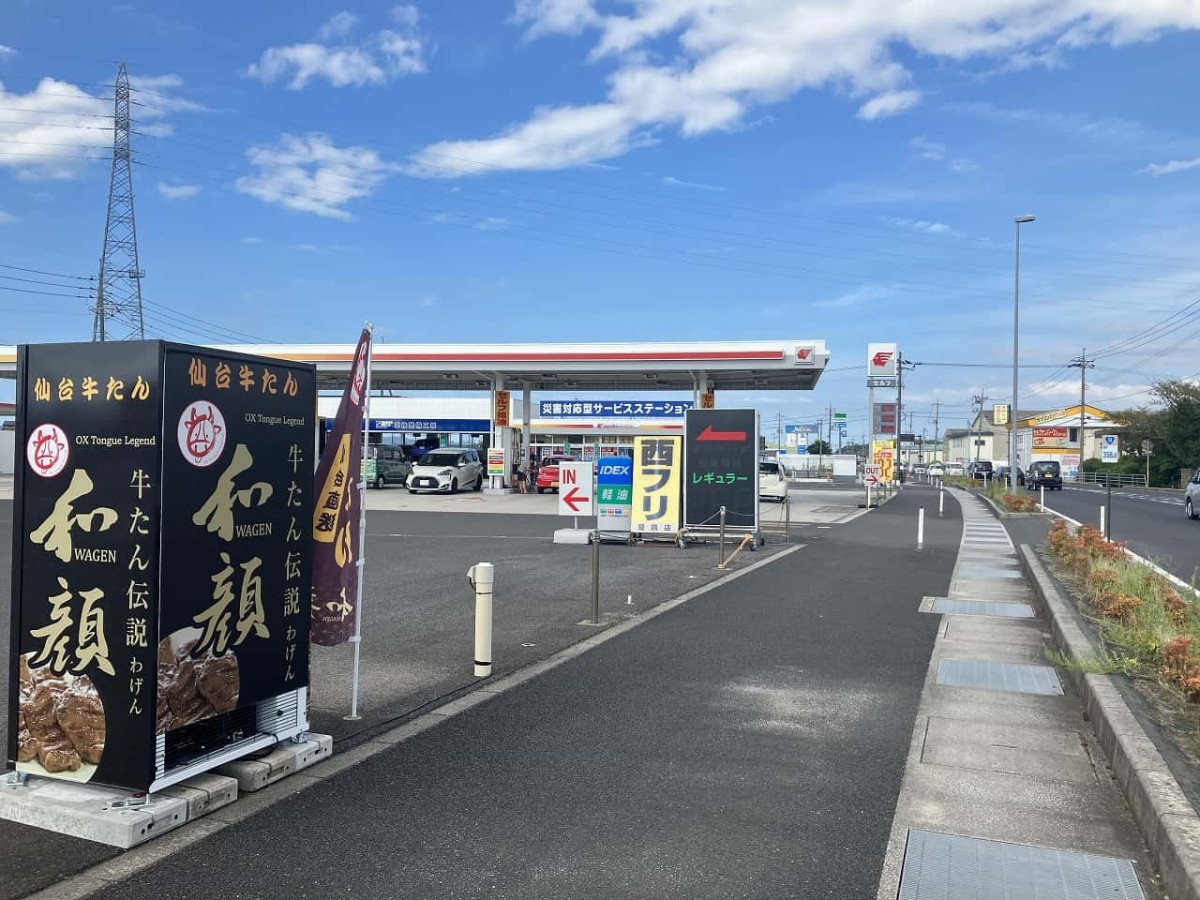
[
  {"x": 1044, "y": 474},
  {"x": 772, "y": 485},
  {"x": 980, "y": 470},
  {"x": 445, "y": 471},
  {"x": 547, "y": 476},
  {"x": 386, "y": 464},
  {"x": 936, "y": 470},
  {"x": 1191, "y": 497}
]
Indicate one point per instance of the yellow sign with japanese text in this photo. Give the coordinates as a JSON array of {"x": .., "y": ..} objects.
[
  {"x": 882, "y": 455},
  {"x": 657, "y": 482}
]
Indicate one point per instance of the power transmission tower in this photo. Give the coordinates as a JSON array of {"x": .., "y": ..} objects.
[
  {"x": 1082, "y": 363},
  {"x": 119, "y": 288}
]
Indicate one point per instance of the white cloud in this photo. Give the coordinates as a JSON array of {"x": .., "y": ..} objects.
[
  {"x": 672, "y": 181},
  {"x": 890, "y": 103},
  {"x": 51, "y": 131},
  {"x": 339, "y": 26},
  {"x": 698, "y": 66},
  {"x": 250, "y": 241},
  {"x": 178, "y": 191},
  {"x": 1107, "y": 128},
  {"x": 374, "y": 59},
  {"x": 854, "y": 298},
  {"x": 6, "y": 52},
  {"x": 427, "y": 301},
  {"x": 5, "y": 217},
  {"x": 492, "y": 223},
  {"x": 927, "y": 149},
  {"x": 309, "y": 173},
  {"x": 1170, "y": 168},
  {"x": 923, "y": 226}
]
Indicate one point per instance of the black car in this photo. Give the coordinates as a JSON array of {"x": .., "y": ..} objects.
[
  {"x": 1045, "y": 474},
  {"x": 980, "y": 470},
  {"x": 1002, "y": 475}
]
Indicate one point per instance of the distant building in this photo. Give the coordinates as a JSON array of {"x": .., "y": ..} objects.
[{"x": 1041, "y": 434}]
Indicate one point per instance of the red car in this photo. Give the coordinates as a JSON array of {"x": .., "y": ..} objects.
[{"x": 547, "y": 479}]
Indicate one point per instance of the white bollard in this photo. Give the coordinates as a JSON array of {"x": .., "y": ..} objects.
[
  {"x": 1043, "y": 490},
  {"x": 482, "y": 576},
  {"x": 920, "y": 528},
  {"x": 941, "y": 500},
  {"x": 868, "y": 496},
  {"x": 1103, "y": 510}
]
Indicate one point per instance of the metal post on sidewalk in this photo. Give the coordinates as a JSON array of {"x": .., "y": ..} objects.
[
  {"x": 1043, "y": 490},
  {"x": 941, "y": 501},
  {"x": 596, "y": 577},
  {"x": 482, "y": 576},
  {"x": 787, "y": 518},
  {"x": 868, "y": 496},
  {"x": 1108, "y": 531},
  {"x": 1103, "y": 526},
  {"x": 721, "y": 557},
  {"x": 920, "y": 528}
]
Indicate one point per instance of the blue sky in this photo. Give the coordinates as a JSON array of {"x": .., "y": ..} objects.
[{"x": 548, "y": 170}]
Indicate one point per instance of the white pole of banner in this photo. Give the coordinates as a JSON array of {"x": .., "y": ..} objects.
[{"x": 362, "y": 524}]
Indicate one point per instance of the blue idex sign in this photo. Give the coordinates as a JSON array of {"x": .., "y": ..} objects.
[{"x": 614, "y": 493}]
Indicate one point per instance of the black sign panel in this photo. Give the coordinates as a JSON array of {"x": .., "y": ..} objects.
[
  {"x": 236, "y": 546},
  {"x": 112, "y": 646},
  {"x": 721, "y": 468},
  {"x": 85, "y": 540}
]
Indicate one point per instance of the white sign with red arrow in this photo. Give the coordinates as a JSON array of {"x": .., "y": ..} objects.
[
  {"x": 871, "y": 476},
  {"x": 575, "y": 494}
]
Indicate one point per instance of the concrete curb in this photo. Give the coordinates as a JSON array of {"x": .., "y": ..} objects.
[
  {"x": 1005, "y": 514},
  {"x": 1169, "y": 824}
]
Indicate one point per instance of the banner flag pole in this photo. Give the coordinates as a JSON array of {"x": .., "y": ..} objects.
[{"x": 356, "y": 639}]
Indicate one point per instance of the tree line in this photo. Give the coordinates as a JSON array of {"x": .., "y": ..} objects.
[{"x": 1171, "y": 426}]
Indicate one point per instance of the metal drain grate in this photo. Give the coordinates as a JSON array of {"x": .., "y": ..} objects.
[
  {"x": 998, "y": 676},
  {"x": 983, "y": 608},
  {"x": 940, "y": 866}
]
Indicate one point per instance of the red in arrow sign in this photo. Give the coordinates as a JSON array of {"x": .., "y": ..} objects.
[
  {"x": 574, "y": 499},
  {"x": 708, "y": 434}
]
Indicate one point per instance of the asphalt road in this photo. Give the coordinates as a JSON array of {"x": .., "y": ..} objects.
[
  {"x": 1151, "y": 521},
  {"x": 748, "y": 744}
]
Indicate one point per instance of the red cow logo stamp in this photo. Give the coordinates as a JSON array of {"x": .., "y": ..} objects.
[
  {"x": 47, "y": 450},
  {"x": 201, "y": 433},
  {"x": 881, "y": 359}
]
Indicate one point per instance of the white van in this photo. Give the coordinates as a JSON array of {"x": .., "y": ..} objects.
[{"x": 772, "y": 485}]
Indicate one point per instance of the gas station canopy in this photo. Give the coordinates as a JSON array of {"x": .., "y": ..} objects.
[{"x": 688, "y": 366}]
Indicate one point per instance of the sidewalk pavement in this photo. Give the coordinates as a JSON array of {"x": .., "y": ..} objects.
[
  {"x": 747, "y": 743},
  {"x": 1001, "y": 753}
]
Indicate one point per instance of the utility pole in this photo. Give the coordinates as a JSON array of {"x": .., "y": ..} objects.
[
  {"x": 977, "y": 404},
  {"x": 937, "y": 408},
  {"x": 119, "y": 288},
  {"x": 1082, "y": 363},
  {"x": 778, "y": 433}
]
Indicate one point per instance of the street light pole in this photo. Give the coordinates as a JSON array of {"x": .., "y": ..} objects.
[{"x": 1012, "y": 431}]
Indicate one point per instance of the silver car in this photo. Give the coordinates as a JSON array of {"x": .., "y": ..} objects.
[
  {"x": 445, "y": 471},
  {"x": 1191, "y": 498}
]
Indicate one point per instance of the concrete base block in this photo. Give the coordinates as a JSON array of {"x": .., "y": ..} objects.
[
  {"x": 286, "y": 759},
  {"x": 204, "y": 793},
  {"x": 86, "y": 811},
  {"x": 572, "y": 536}
]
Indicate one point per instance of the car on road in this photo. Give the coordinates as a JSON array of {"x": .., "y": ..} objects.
[
  {"x": 446, "y": 471},
  {"x": 1002, "y": 475},
  {"x": 936, "y": 470},
  {"x": 1046, "y": 473},
  {"x": 547, "y": 476},
  {"x": 1191, "y": 497},
  {"x": 772, "y": 484},
  {"x": 386, "y": 464},
  {"x": 980, "y": 470}
]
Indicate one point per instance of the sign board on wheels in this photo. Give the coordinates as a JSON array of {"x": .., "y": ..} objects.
[
  {"x": 657, "y": 462},
  {"x": 721, "y": 467},
  {"x": 1110, "y": 448},
  {"x": 163, "y": 542},
  {"x": 575, "y": 496},
  {"x": 614, "y": 495}
]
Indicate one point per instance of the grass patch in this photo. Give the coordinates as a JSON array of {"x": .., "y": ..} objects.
[{"x": 1100, "y": 663}]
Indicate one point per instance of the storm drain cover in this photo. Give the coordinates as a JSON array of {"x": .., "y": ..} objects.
[
  {"x": 983, "y": 608},
  {"x": 941, "y": 866},
  {"x": 998, "y": 676}
]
